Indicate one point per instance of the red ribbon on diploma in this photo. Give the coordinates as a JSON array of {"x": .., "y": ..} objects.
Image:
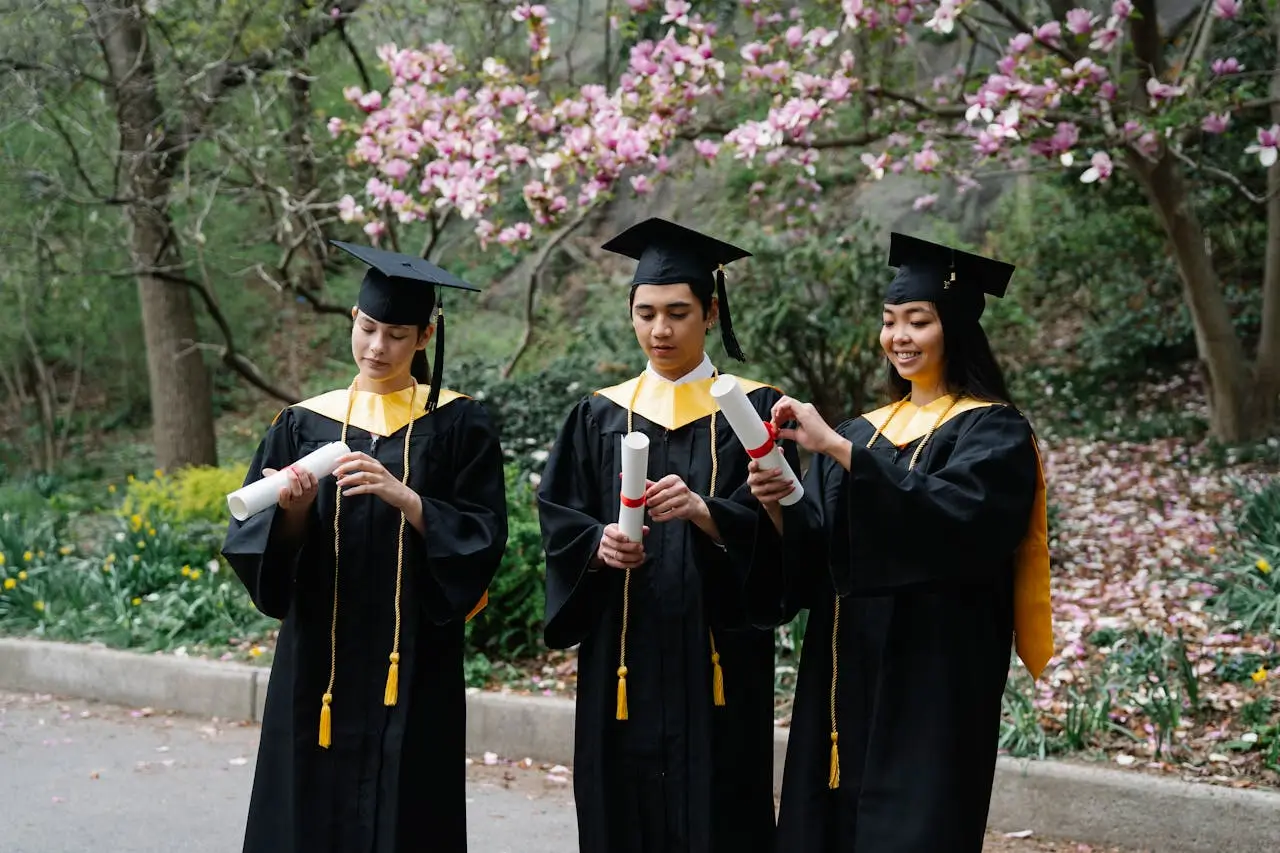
[
  {"x": 763, "y": 450},
  {"x": 632, "y": 503}
]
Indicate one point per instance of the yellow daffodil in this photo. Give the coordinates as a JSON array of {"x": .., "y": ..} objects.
[
  {"x": 10, "y": 583},
  {"x": 1, "y": 558},
  {"x": 27, "y": 556},
  {"x": 186, "y": 571},
  {"x": 65, "y": 550},
  {"x": 137, "y": 602},
  {"x": 195, "y": 574},
  {"x": 22, "y": 576},
  {"x": 39, "y": 606},
  {"x": 1259, "y": 676},
  {"x": 1263, "y": 566}
]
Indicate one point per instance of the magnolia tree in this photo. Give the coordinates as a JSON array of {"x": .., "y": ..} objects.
[{"x": 1098, "y": 90}]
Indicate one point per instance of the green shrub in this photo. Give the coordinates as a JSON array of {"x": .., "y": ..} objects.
[
  {"x": 1248, "y": 577},
  {"x": 192, "y": 494},
  {"x": 510, "y": 628}
]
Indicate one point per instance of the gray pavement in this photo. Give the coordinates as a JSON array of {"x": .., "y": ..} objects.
[
  {"x": 88, "y": 777},
  {"x": 79, "y": 776}
]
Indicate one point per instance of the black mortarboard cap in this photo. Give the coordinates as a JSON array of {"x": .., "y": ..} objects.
[
  {"x": 404, "y": 290},
  {"x": 931, "y": 272},
  {"x": 668, "y": 253}
]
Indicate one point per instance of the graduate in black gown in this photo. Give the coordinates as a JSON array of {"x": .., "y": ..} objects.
[
  {"x": 374, "y": 571},
  {"x": 920, "y": 547},
  {"x": 674, "y": 726}
]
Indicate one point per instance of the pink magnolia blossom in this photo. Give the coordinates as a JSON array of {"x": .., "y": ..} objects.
[
  {"x": 1227, "y": 10},
  {"x": 1224, "y": 67},
  {"x": 1267, "y": 146},
  {"x": 1080, "y": 21},
  {"x": 1100, "y": 168},
  {"x": 1216, "y": 124}
]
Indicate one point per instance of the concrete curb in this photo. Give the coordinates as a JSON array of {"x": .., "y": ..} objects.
[{"x": 1054, "y": 799}]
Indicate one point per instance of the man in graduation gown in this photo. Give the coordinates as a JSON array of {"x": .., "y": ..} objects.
[
  {"x": 362, "y": 747},
  {"x": 674, "y": 727},
  {"x": 920, "y": 548}
]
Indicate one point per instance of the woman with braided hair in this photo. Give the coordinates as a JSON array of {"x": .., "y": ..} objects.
[
  {"x": 374, "y": 572},
  {"x": 920, "y": 549}
]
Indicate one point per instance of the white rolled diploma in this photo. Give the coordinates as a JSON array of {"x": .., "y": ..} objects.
[
  {"x": 635, "y": 471},
  {"x": 746, "y": 424},
  {"x": 252, "y": 499}
]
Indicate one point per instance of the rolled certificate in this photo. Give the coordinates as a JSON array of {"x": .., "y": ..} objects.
[
  {"x": 257, "y": 496},
  {"x": 755, "y": 434},
  {"x": 635, "y": 469}
]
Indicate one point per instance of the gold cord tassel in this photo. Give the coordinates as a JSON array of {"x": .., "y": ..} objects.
[
  {"x": 622, "y": 693},
  {"x": 717, "y": 673},
  {"x": 326, "y": 721},
  {"x": 393, "y": 681},
  {"x": 392, "y": 694},
  {"x": 834, "y": 781}
]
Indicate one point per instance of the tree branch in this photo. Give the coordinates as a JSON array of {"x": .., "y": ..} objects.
[
  {"x": 535, "y": 279},
  {"x": 18, "y": 65},
  {"x": 223, "y": 77},
  {"x": 345, "y": 37},
  {"x": 229, "y": 355},
  {"x": 1022, "y": 26},
  {"x": 1144, "y": 29},
  {"x": 1222, "y": 175}
]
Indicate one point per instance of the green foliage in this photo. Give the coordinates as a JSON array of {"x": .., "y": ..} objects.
[
  {"x": 530, "y": 409},
  {"x": 144, "y": 585},
  {"x": 510, "y": 628},
  {"x": 1247, "y": 579},
  {"x": 808, "y": 313},
  {"x": 192, "y": 494}
]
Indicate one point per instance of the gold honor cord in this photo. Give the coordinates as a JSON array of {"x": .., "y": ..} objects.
[
  {"x": 833, "y": 781},
  {"x": 717, "y": 679}
]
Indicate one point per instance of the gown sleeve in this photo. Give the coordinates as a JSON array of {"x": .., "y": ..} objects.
[
  {"x": 569, "y": 512},
  {"x": 465, "y": 531},
  {"x": 266, "y": 564},
  {"x": 748, "y": 547},
  {"x": 958, "y": 523},
  {"x": 788, "y": 572}
]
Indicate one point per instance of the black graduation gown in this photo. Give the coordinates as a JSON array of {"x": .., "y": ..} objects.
[
  {"x": 924, "y": 564},
  {"x": 681, "y": 775},
  {"x": 393, "y": 779}
]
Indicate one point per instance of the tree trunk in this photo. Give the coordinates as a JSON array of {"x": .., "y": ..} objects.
[
  {"x": 1267, "y": 369},
  {"x": 1220, "y": 349},
  {"x": 181, "y": 404}
]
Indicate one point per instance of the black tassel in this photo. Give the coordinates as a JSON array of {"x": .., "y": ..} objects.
[
  {"x": 437, "y": 367},
  {"x": 726, "y": 320}
]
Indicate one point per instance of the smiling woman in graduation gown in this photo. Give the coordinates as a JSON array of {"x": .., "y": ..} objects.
[
  {"x": 674, "y": 727},
  {"x": 920, "y": 548},
  {"x": 362, "y": 739}
]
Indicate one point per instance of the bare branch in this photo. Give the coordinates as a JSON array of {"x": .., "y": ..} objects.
[
  {"x": 535, "y": 279},
  {"x": 1023, "y": 27},
  {"x": 345, "y": 37},
  {"x": 18, "y": 65},
  {"x": 1223, "y": 176},
  {"x": 221, "y": 78},
  {"x": 1144, "y": 29},
  {"x": 231, "y": 357}
]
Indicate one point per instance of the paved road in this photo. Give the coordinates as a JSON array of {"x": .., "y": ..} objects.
[{"x": 80, "y": 777}]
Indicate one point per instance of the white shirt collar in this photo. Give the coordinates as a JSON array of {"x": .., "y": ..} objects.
[{"x": 703, "y": 371}]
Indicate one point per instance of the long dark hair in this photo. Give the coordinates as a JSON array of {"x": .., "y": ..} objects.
[
  {"x": 971, "y": 367},
  {"x": 420, "y": 368}
]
